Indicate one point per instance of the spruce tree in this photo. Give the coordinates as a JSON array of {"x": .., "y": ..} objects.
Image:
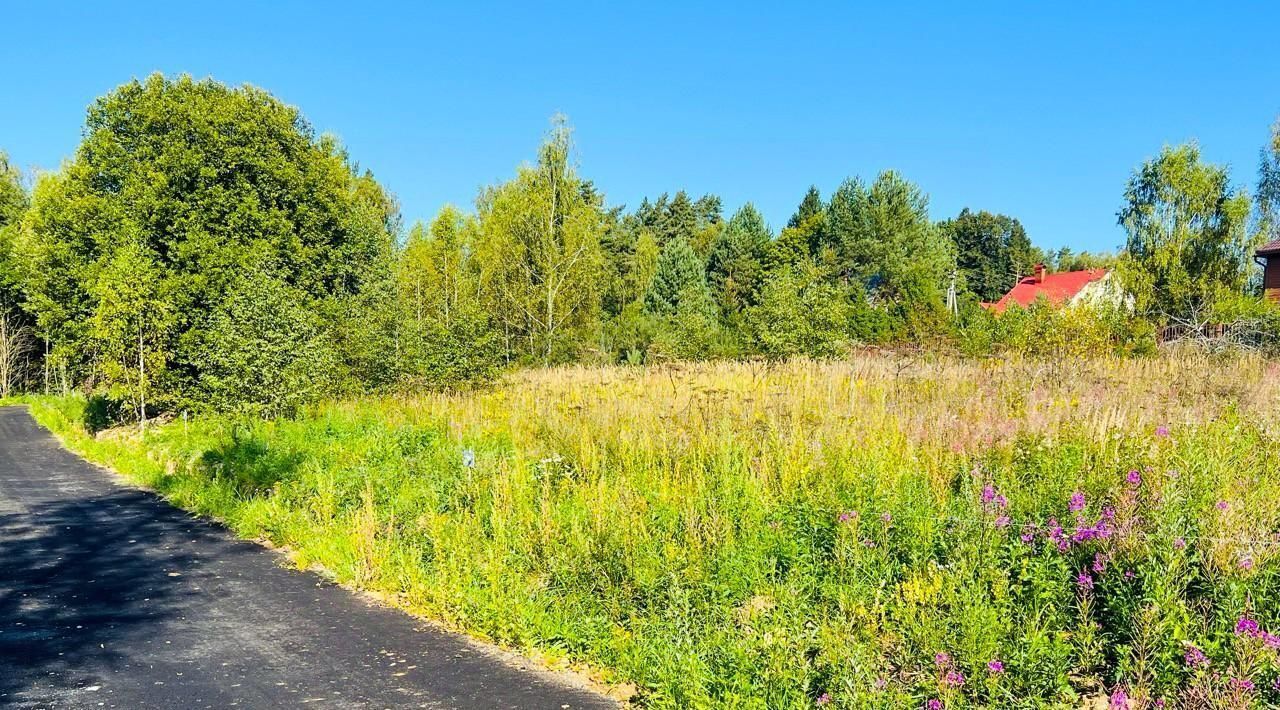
[{"x": 678, "y": 269}]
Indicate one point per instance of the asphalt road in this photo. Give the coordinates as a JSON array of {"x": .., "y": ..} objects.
[{"x": 110, "y": 597}]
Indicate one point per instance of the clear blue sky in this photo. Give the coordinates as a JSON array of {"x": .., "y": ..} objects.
[{"x": 1038, "y": 113}]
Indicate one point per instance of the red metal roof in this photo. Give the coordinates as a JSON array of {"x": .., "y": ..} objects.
[
  {"x": 1058, "y": 288},
  {"x": 1269, "y": 249}
]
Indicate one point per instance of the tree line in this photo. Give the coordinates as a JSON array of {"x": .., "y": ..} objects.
[{"x": 205, "y": 249}]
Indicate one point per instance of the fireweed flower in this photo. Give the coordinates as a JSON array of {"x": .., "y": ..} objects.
[
  {"x": 1099, "y": 563},
  {"x": 1195, "y": 658},
  {"x": 824, "y": 699},
  {"x": 995, "y": 666},
  {"x": 1179, "y": 543},
  {"x": 1162, "y": 431},
  {"x": 848, "y": 515},
  {"x": 1119, "y": 699},
  {"x": 1243, "y": 684},
  {"x": 1246, "y": 626},
  {"x": 1246, "y": 563},
  {"x": 942, "y": 659},
  {"x": 887, "y": 518},
  {"x": 933, "y": 704},
  {"x": 988, "y": 493},
  {"x": 1077, "y": 502},
  {"x": 1222, "y": 505},
  {"x": 1084, "y": 581},
  {"x": 1134, "y": 478},
  {"x": 1003, "y": 521},
  {"x": 1271, "y": 640},
  {"x": 953, "y": 679},
  {"x": 880, "y": 683}
]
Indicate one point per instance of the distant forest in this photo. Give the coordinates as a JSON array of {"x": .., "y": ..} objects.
[{"x": 205, "y": 249}]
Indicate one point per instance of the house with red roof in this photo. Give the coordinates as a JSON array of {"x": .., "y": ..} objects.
[
  {"x": 1068, "y": 288},
  {"x": 1269, "y": 254}
]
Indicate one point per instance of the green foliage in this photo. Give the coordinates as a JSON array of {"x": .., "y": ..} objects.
[
  {"x": 207, "y": 184},
  {"x": 1188, "y": 244},
  {"x": 736, "y": 265},
  {"x": 264, "y": 353},
  {"x": 539, "y": 256},
  {"x": 1055, "y": 334},
  {"x": 992, "y": 251},
  {"x": 679, "y": 272},
  {"x": 445, "y": 336},
  {"x": 801, "y": 314}
]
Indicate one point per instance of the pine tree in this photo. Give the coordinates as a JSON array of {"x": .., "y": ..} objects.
[
  {"x": 848, "y": 231},
  {"x": 737, "y": 259},
  {"x": 678, "y": 270},
  {"x": 810, "y": 206}
]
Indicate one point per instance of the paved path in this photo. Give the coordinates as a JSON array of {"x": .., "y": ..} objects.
[{"x": 110, "y": 597}]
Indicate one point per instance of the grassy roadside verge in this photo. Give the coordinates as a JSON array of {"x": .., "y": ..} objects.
[{"x": 840, "y": 534}]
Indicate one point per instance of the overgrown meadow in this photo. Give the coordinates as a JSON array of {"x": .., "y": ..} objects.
[{"x": 885, "y": 531}]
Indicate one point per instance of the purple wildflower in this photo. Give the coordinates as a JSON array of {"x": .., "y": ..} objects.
[
  {"x": 1099, "y": 563},
  {"x": 1179, "y": 543},
  {"x": 1246, "y": 626},
  {"x": 942, "y": 659},
  {"x": 1243, "y": 684},
  {"x": 995, "y": 666},
  {"x": 1084, "y": 581},
  {"x": 1222, "y": 505},
  {"x": 880, "y": 683},
  {"x": 887, "y": 518},
  {"x": 1128, "y": 574},
  {"x": 1194, "y": 657},
  {"x": 954, "y": 679},
  {"x": 848, "y": 515},
  {"x": 1077, "y": 502},
  {"x": 1162, "y": 431},
  {"x": 1134, "y": 478},
  {"x": 824, "y": 699},
  {"x": 988, "y": 493},
  {"x": 933, "y": 704},
  {"x": 1246, "y": 562},
  {"x": 1003, "y": 521},
  {"x": 1119, "y": 699}
]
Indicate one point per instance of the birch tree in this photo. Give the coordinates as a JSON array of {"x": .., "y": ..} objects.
[{"x": 539, "y": 255}]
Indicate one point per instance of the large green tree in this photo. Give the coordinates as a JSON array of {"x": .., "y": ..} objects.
[
  {"x": 208, "y": 184},
  {"x": 540, "y": 257},
  {"x": 737, "y": 261},
  {"x": 885, "y": 240},
  {"x": 1188, "y": 241},
  {"x": 679, "y": 272},
  {"x": 992, "y": 251}
]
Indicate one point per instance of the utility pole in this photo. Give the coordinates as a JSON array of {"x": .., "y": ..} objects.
[{"x": 952, "y": 307}]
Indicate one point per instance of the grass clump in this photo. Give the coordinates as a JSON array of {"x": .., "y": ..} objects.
[{"x": 878, "y": 532}]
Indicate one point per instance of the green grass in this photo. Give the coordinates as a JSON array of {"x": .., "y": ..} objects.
[{"x": 722, "y": 536}]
